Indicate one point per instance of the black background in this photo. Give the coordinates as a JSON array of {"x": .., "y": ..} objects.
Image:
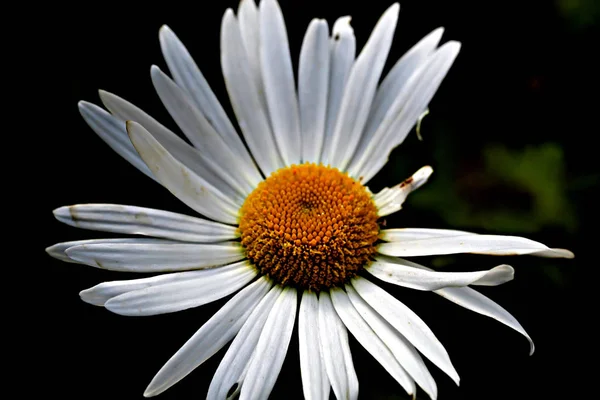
[{"x": 524, "y": 76}]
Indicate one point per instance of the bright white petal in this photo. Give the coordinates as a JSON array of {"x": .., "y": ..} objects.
[
  {"x": 271, "y": 347},
  {"x": 184, "y": 183},
  {"x": 231, "y": 369},
  {"x": 554, "y": 253},
  {"x": 113, "y": 132},
  {"x": 278, "y": 81},
  {"x": 188, "y": 76},
  {"x": 98, "y": 295},
  {"x": 314, "y": 376},
  {"x": 389, "y": 201},
  {"x": 184, "y": 153},
  {"x": 369, "y": 340},
  {"x": 405, "y": 111},
  {"x": 245, "y": 99},
  {"x": 404, "y": 352},
  {"x": 144, "y": 221},
  {"x": 155, "y": 257},
  {"x": 404, "y": 273},
  {"x": 407, "y": 323},
  {"x": 313, "y": 81},
  {"x": 469, "y": 243},
  {"x": 401, "y": 234},
  {"x": 475, "y": 301},
  {"x": 336, "y": 351},
  {"x": 398, "y": 77},
  {"x": 237, "y": 171},
  {"x": 360, "y": 90},
  {"x": 343, "y": 51},
  {"x": 248, "y": 20},
  {"x": 392, "y": 86},
  {"x": 210, "y": 338},
  {"x": 58, "y": 250},
  {"x": 208, "y": 286}
]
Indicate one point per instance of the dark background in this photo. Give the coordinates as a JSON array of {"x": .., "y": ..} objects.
[{"x": 510, "y": 140}]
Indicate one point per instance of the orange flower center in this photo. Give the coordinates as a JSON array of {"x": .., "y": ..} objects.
[{"x": 309, "y": 226}]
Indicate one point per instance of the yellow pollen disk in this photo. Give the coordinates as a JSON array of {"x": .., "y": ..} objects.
[{"x": 309, "y": 226}]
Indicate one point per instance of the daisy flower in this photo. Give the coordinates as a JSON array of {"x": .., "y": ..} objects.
[{"x": 287, "y": 224}]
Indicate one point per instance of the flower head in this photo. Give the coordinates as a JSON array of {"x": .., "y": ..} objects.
[{"x": 287, "y": 221}]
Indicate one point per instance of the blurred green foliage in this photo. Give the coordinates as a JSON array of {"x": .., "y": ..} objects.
[
  {"x": 579, "y": 13},
  {"x": 508, "y": 190}
]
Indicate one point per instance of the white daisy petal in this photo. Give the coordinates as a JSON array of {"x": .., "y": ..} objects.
[
  {"x": 244, "y": 176},
  {"x": 271, "y": 347},
  {"x": 475, "y": 301},
  {"x": 248, "y": 20},
  {"x": 314, "y": 376},
  {"x": 360, "y": 90},
  {"x": 343, "y": 51},
  {"x": 404, "y": 352},
  {"x": 313, "y": 80},
  {"x": 278, "y": 81},
  {"x": 397, "y": 78},
  {"x": 245, "y": 99},
  {"x": 208, "y": 286},
  {"x": 369, "y": 340},
  {"x": 210, "y": 338},
  {"x": 389, "y": 201},
  {"x": 235, "y": 362},
  {"x": 404, "y": 273},
  {"x": 554, "y": 253},
  {"x": 469, "y": 243},
  {"x": 401, "y": 234},
  {"x": 407, "y": 323},
  {"x": 113, "y": 132},
  {"x": 144, "y": 221},
  {"x": 187, "y": 75},
  {"x": 184, "y": 153},
  {"x": 336, "y": 351},
  {"x": 58, "y": 250},
  {"x": 404, "y": 112},
  {"x": 98, "y": 295},
  {"x": 184, "y": 183},
  {"x": 155, "y": 257}
]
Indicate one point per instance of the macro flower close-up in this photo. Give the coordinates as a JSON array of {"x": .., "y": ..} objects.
[{"x": 282, "y": 221}]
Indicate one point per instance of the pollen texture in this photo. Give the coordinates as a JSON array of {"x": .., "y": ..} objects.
[{"x": 309, "y": 226}]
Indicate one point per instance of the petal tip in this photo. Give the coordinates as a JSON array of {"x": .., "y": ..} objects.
[
  {"x": 155, "y": 70},
  {"x": 82, "y": 105},
  {"x": 507, "y": 268},
  {"x": 62, "y": 213},
  {"x": 51, "y": 251},
  {"x": 426, "y": 170},
  {"x": 342, "y": 26},
  {"x": 87, "y": 296},
  {"x": 228, "y": 16},
  {"x": 131, "y": 127},
  {"x": 555, "y": 253},
  {"x": 566, "y": 253},
  {"x": 164, "y": 30},
  {"x": 455, "y": 45}
]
